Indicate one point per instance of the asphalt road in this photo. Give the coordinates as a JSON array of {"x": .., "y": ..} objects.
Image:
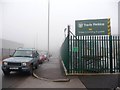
[
  {"x": 104, "y": 82},
  {"x": 13, "y": 80},
  {"x": 53, "y": 70},
  {"x": 49, "y": 69}
]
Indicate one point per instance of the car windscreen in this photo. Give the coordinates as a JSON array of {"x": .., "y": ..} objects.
[{"x": 22, "y": 53}]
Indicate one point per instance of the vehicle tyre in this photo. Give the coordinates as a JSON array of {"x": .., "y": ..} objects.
[
  {"x": 40, "y": 62},
  {"x": 31, "y": 70},
  {"x": 36, "y": 67},
  {"x": 6, "y": 73}
]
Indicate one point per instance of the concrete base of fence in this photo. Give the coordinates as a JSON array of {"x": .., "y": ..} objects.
[{"x": 77, "y": 74}]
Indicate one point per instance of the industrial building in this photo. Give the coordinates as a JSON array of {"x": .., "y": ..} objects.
[{"x": 8, "y": 48}]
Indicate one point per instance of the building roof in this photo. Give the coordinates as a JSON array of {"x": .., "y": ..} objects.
[{"x": 32, "y": 49}]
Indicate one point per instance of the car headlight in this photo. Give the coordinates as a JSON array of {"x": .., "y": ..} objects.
[
  {"x": 5, "y": 63},
  {"x": 24, "y": 64}
]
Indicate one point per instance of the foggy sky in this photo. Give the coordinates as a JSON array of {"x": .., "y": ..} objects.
[{"x": 26, "y": 21}]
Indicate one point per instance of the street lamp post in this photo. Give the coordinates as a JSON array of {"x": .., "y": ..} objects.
[{"x": 48, "y": 23}]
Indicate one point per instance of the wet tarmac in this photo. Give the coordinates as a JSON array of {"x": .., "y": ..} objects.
[
  {"x": 51, "y": 69},
  {"x": 13, "y": 80},
  {"x": 103, "y": 82}
]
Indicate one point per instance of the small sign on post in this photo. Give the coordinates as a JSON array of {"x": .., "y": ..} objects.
[{"x": 75, "y": 49}]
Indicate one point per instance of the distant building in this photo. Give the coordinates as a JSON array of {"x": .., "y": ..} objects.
[
  {"x": 8, "y": 47},
  {"x": 119, "y": 18}
]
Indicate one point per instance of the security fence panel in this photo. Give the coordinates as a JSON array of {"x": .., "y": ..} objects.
[
  {"x": 91, "y": 54},
  {"x": 64, "y": 54}
]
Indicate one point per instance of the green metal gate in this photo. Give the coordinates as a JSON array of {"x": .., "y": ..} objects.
[{"x": 91, "y": 54}]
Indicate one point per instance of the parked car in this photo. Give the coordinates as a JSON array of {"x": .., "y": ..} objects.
[
  {"x": 43, "y": 56},
  {"x": 23, "y": 60},
  {"x": 42, "y": 59}
]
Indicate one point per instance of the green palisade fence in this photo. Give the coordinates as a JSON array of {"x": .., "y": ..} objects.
[
  {"x": 64, "y": 53},
  {"x": 91, "y": 54}
]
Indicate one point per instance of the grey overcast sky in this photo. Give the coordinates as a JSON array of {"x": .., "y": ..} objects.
[{"x": 25, "y": 21}]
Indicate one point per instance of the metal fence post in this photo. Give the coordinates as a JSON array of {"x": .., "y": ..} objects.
[
  {"x": 68, "y": 48},
  {"x": 111, "y": 62},
  {"x": 119, "y": 52}
]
